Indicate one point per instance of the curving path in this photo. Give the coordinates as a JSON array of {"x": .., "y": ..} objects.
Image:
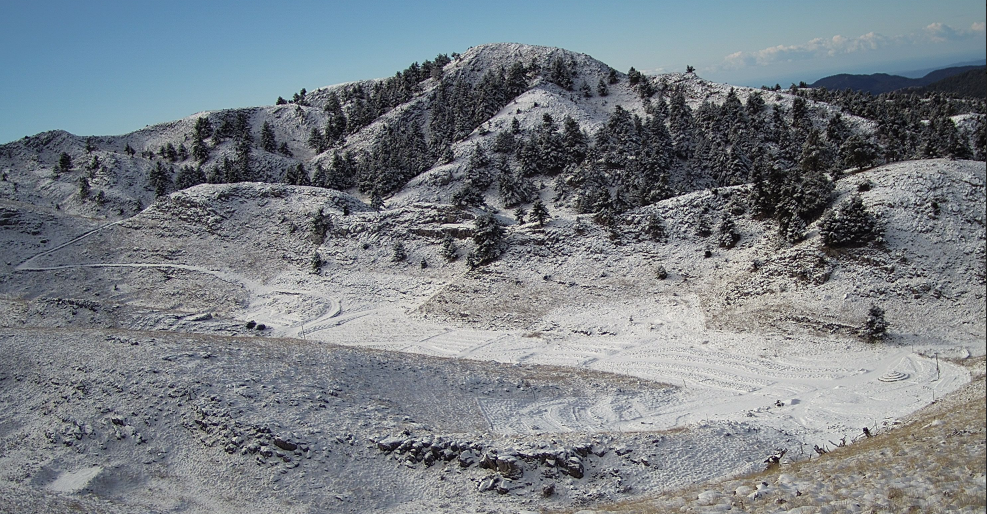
[{"x": 716, "y": 376}]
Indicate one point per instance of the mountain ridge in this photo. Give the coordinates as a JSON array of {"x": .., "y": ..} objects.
[{"x": 877, "y": 83}]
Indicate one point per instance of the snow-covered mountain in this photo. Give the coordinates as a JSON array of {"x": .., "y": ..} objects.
[{"x": 521, "y": 280}]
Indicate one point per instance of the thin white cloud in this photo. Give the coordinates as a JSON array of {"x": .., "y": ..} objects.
[{"x": 842, "y": 45}]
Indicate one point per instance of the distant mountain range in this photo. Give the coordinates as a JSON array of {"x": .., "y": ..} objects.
[{"x": 962, "y": 80}]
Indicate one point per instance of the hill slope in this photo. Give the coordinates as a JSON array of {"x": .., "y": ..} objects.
[{"x": 407, "y": 335}]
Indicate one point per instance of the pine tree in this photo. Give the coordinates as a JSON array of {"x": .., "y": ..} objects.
[
  {"x": 504, "y": 142},
  {"x": 319, "y": 227},
  {"x": 680, "y": 125},
  {"x": 243, "y": 161},
  {"x": 159, "y": 179},
  {"x": 64, "y": 163},
  {"x": 816, "y": 154},
  {"x": 875, "y": 329},
  {"x": 539, "y": 213},
  {"x": 449, "y": 250},
  {"x": 284, "y": 150},
  {"x": 319, "y": 178},
  {"x": 398, "y": 253},
  {"x": 315, "y": 265},
  {"x": 858, "y": 152},
  {"x": 336, "y": 126},
  {"x": 297, "y": 176},
  {"x": 84, "y": 187},
  {"x": 488, "y": 236},
  {"x": 559, "y": 73},
  {"x": 655, "y": 228},
  {"x": 728, "y": 236},
  {"x": 514, "y": 187},
  {"x": 574, "y": 144},
  {"x": 316, "y": 141},
  {"x": 851, "y": 225},
  {"x": 189, "y": 176},
  {"x": 519, "y": 215},
  {"x": 267, "y": 139}
]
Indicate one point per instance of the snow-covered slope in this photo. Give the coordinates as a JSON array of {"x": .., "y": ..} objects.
[
  {"x": 715, "y": 348},
  {"x": 314, "y": 354}
]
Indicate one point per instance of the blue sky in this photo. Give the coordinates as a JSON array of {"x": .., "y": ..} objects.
[{"x": 102, "y": 67}]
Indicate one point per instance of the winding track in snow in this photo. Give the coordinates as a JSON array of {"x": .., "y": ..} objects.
[
  {"x": 255, "y": 288},
  {"x": 716, "y": 383}
]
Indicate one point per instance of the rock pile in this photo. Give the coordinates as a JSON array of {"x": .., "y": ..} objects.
[{"x": 509, "y": 464}]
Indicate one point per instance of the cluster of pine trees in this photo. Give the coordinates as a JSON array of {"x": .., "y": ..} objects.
[{"x": 790, "y": 153}]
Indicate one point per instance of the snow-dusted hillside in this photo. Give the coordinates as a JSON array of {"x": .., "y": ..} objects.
[{"x": 257, "y": 346}]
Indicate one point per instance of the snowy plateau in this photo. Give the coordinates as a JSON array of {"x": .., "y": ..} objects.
[{"x": 251, "y": 343}]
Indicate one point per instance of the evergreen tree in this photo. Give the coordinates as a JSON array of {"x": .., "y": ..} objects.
[
  {"x": 755, "y": 104},
  {"x": 467, "y": 196},
  {"x": 449, "y": 250},
  {"x": 189, "y": 176},
  {"x": 320, "y": 178},
  {"x": 319, "y": 227},
  {"x": 602, "y": 89},
  {"x": 84, "y": 188},
  {"x": 488, "y": 236},
  {"x": 837, "y": 130},
  {"x": 655, "y": 228},
  {"x": 514, "y": 188},
  {"x": 816, "y": 154},
  {"x": 504, "y": 142},
  {"x": 341, "y": 174},
  {"x": 574, "y": 143},
  {"x": 634, "y": 76},
  {"x": 297, "y": 176},
  {"x": 519, "y": 215},
  {"x": 243, "y": 161},
  {"x": 64, "y": 163},
  {"x": 398, "y": 253},
  {"x": 851, "y": 225},
  {"x": 680, "y": 125},
  {"x": 559, "y": 73},
  {"x": 728, "y": 236},
  {"x": 980, "y": 139},
  {"x": 875, "y": 329},
  {"x": 478, "y": 175},
  {"x": 858, "y": 152},
  {"x": 516, "y": 81},
  {"x": 316, "y": 141},
  {"x": 336, "y": 126},
  {"x": 315, "y": 264},
  {"x": 159, "y": 179},
  {"x": 284, "y": 150},
  {"x": 376, "y": 201},
  {"x": 539, "y": 213},
  {"x": 267, "y": 139}
]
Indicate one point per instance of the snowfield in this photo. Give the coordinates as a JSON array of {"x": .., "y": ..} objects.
[{"x": 567, "y": 346}]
